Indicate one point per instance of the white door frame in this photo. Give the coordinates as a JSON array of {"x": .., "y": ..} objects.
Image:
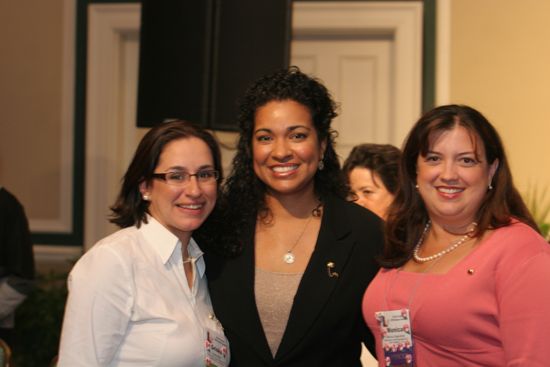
[
  {"x": 108, "y": 113},
  {"x": 401, "y": 20}
]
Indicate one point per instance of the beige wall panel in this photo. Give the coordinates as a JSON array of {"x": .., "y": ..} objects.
[
  {"x": 30, "y": 103},
  {"x": 500, "y": 64}
]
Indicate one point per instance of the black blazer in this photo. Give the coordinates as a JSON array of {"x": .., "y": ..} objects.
[{"x": 325, "y": 325}]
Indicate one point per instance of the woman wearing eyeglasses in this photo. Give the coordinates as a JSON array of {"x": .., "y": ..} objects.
[{"x": 139, "y": 297}]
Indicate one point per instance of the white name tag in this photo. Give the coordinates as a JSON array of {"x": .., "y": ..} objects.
[
  {"x": 397, "y": 342},
  {"x": 217, "y": 351}
]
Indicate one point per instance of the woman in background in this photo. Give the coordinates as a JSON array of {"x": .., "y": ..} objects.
[
  {"x": 371, "y": 171},
  {"x": 466, "y": 273},
  {"x": 292, "y": 295},
  {"x": 139, "y": 296}
]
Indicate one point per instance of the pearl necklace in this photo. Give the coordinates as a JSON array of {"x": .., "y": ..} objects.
[{"x": 452, "y": 247}]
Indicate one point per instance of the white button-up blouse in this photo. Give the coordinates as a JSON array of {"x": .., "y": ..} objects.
[{"x": 130, "y": 304}]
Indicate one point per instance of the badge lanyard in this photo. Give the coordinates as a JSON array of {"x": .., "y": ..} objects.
[
  {"x": 396, "y": 326},
  {"x": 415, "y": 287}
]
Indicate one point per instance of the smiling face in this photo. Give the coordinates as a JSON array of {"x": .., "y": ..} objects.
[
  {"x": 285, "y": 147},
  {"x": 182, "y": 208},
  {"x": 369, "y": 191},
  {"x": 453, "y": 177}
]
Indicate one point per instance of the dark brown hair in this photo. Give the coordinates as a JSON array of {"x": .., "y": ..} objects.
[
  {"x": 130, "y": 208},
  {"x": 382, "y": 159},
  {"x": 408, "y": 216}
]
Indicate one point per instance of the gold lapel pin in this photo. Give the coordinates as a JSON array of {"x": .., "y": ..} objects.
[{"x": 330, "y": 270}]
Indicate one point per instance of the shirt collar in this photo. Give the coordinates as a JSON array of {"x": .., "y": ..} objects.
[{"x": 166, "y": 244}]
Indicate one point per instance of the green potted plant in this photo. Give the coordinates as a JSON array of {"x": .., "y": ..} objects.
[
  {"x": 38, "y": 322},
  {"x": 538, "y": 204}
]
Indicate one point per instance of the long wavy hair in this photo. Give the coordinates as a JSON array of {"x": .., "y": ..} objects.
[
  {"x": 243, "y": 191},
  {"x": 129, "y": 208},
  {"x": 408, "y": 215}
]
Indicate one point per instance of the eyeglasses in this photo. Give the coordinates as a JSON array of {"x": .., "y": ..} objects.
[{"x": 180, "y": 178}]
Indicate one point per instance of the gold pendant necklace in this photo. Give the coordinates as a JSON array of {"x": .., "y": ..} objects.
[{"x": 289, "y": 256}]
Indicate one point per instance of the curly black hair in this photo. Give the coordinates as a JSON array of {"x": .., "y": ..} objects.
[{"x": 243, "y": 192}]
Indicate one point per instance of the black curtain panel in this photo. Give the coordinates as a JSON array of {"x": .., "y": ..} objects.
[{"x": 198, "y": 56}]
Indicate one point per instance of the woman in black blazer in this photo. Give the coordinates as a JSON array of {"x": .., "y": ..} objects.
[{"x": 302, "y": 255}]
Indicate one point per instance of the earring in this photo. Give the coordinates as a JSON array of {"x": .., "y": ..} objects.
[
  {"x": 146, "y": 197},
  {"x": 321, "y": 165},
  {"x": 416, "y": 186},
  {"x": 490, "y": 187}
]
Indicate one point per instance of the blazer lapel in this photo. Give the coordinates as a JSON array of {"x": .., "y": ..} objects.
[
  {"x": 333, "y": 245},
  {"x": 241, "y": 303}
]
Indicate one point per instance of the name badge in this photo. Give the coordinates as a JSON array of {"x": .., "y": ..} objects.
[
  {"x": 217, "y": 351},
  {"x": 397, "y": 342}
]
